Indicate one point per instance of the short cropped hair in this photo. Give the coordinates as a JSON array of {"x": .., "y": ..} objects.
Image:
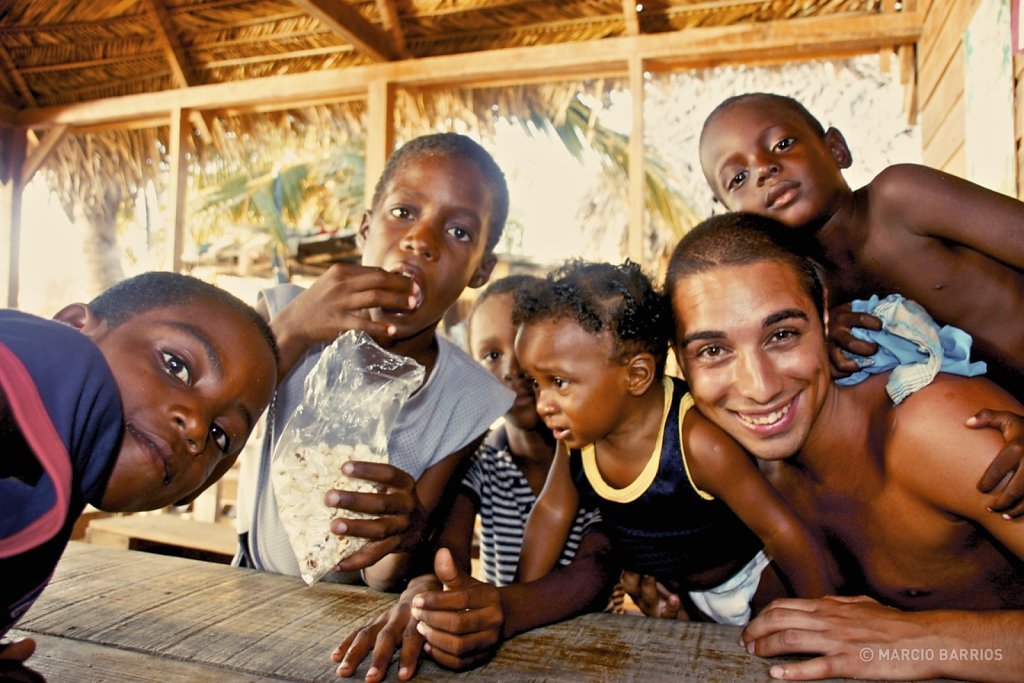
[
  {"x": 785, "y": 101},
  {"x": 506, "y": 285},
  {"x": 741, "y": 238},
  {"x": 453, "y": 145},
  {"x": 602, "y": 297},
  {"x": 159, "y": 289}
]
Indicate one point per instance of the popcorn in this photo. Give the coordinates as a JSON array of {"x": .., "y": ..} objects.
[{"x": 302, "y": 476}]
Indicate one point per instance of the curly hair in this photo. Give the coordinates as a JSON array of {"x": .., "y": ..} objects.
[
  {"x": 602, "y": 298},
  {"x": 453, "y": 145}
]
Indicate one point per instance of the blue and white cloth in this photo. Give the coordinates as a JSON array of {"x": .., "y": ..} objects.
[{"x": 910, "y": 344}]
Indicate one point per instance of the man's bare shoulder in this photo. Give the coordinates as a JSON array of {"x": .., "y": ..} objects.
[{"x": 929, "y": 448}]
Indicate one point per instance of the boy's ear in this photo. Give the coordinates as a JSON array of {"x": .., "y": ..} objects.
[
  {"x": 836, "y": 144},
  {"x": 483, "y": 272},
  {"x": 79, "y": 316},
  {"x": 640, "y": 373},
  {"x": 364, "y": 227}
]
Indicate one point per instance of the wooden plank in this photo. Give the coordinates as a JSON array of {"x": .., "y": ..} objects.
[
  {"x": 118, "y": 532},
  {"x": 56, "y": 657},
  {"x": 393, "y": 25},
  {"x": 933, "y": 63},
  {"x": 275, "y": 626},
  {"x": 948, "y": 137},
  {"x": 637, "y": 178},
  {"x": 35, "y": 159},
  {"x": 13, "y": 150},
  {"x": 949, "y": 89},
  {"x": 178, "y": 186},
  {"x": 792, "y": 39},
  {"x": 380, "y": 134},
  {"x": 629, "y": 14}
]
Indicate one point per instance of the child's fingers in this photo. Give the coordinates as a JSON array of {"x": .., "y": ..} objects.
[
  {"x": 16, "y": 649},
  {"x": 368, "y": 555},
  {"x": 382, "y": 473},
  {"x": 400, "y": 503}
]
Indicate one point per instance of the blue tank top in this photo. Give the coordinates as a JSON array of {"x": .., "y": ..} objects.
[{"x": 668, "y": 530}]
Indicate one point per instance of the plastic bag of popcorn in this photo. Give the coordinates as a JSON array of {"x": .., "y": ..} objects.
[{"x": 350, "y": 401}]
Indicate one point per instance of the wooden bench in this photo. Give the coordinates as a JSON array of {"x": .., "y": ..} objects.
[{"x": 137, "y": 531}]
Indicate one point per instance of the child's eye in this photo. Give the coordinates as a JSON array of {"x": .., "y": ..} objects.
[
  {"x": 491, "y": 356},
  {"x": 401, "y": 212},
  {"x": 559, "y": 382},
  {"x": 176, "y": 367},
  {"x": 736, "y": 180},
  {"x": 220, "y": 437},
  {"x": 784, "y": 143},
  {"x": 460, "y": 233}
]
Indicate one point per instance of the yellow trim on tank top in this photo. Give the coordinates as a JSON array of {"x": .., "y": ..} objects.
[
  {"x": 685, "y": 403},
  {"x": 634, "y": 489}
]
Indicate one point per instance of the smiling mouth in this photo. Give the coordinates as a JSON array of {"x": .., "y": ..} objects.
[{"x": 769, "y": 422}]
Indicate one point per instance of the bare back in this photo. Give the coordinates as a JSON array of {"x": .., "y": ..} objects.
[
  {"x": 954, "y": 247},
  {"x": 898, "y": 510}
]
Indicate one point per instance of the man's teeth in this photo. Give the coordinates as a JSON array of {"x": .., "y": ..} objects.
[{"x": 770, "y": 418}]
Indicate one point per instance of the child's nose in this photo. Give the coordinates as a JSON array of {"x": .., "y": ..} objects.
[
  {"x": 421, "y": 239},
  {"x": 192, "y": 428},
  {"x": 767, "y": 168}
]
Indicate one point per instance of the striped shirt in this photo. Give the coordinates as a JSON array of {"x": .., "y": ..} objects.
[{"x": 503, "y": 499}]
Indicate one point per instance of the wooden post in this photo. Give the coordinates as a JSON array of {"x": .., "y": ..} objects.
[
  {"x": 380, "y": 139},
  {"x": 14, "y": 145},
  {"x": 635, "y": 237},
  {"x": 178, "y": 160}
]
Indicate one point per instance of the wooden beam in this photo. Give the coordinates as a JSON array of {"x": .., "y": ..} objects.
[
  {"x": 178, "y": 186},
  {"x": 170, "y": 43},
  {"x": 393, "y": 25},
  {"x": 380, "y": 137},
  {"x": 35, "y": 159},
  {"x": 629, "y": 12},
  {"x": 792, "y": 39},
  {"x": 349, "y": 25},
  {"x": 19, "y": 81},
  {"x": 637, "y": 181},
  {"x": 14, "y": 143}
]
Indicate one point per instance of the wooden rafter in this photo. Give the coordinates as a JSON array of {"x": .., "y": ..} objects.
[
  {"x": 19, "y": 82},
  {"x": 393, "y": 25},
  {"x": 181, "y": 69},
  {"x": 349, "y": 25},
  {"x": 167, "y": 37},
  {"x": 819, "y": 37},
  {"x": 632, "y": 20},
  {"x": 37, "y": 155}
]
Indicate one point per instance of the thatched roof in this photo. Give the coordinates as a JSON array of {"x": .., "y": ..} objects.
[
  {"x": 64, "y": 51},
  {"x": 135, "y": 60}
]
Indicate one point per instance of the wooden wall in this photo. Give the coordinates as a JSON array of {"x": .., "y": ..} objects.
[{"x": 940, "y": 67}]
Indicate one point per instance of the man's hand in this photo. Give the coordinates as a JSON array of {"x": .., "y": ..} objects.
[
  {"x": 400, "y": 520},
  {"x": 462, "y": 624},
  {"x": 851, "y": 635},
  {"x": 1006, "y": 467},
  {"x": 841, "y": 321}
]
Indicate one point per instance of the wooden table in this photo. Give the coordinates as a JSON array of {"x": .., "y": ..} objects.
[{"x": 121, "y": 615}]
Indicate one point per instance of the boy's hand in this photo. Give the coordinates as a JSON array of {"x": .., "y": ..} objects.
[
  {"x": 382, "y": 636},
  {"x": 338, "y": 301},
  {"x": 652, "y": 597},
  {"x": 841, "y": 321},
  {"x": 463, "y": 624},
  {"x": 400, "y": 520},
  {"x": 1007, "y": 465},
  {"x": 16, "y": 649}
]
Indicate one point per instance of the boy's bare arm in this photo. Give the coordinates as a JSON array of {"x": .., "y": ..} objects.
[
  {"x": 722, "y": 468},
  {"x": 931, "y": 203},
  {"x": 338, "y": 301},
  {"x": 550, "y": 520}
]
